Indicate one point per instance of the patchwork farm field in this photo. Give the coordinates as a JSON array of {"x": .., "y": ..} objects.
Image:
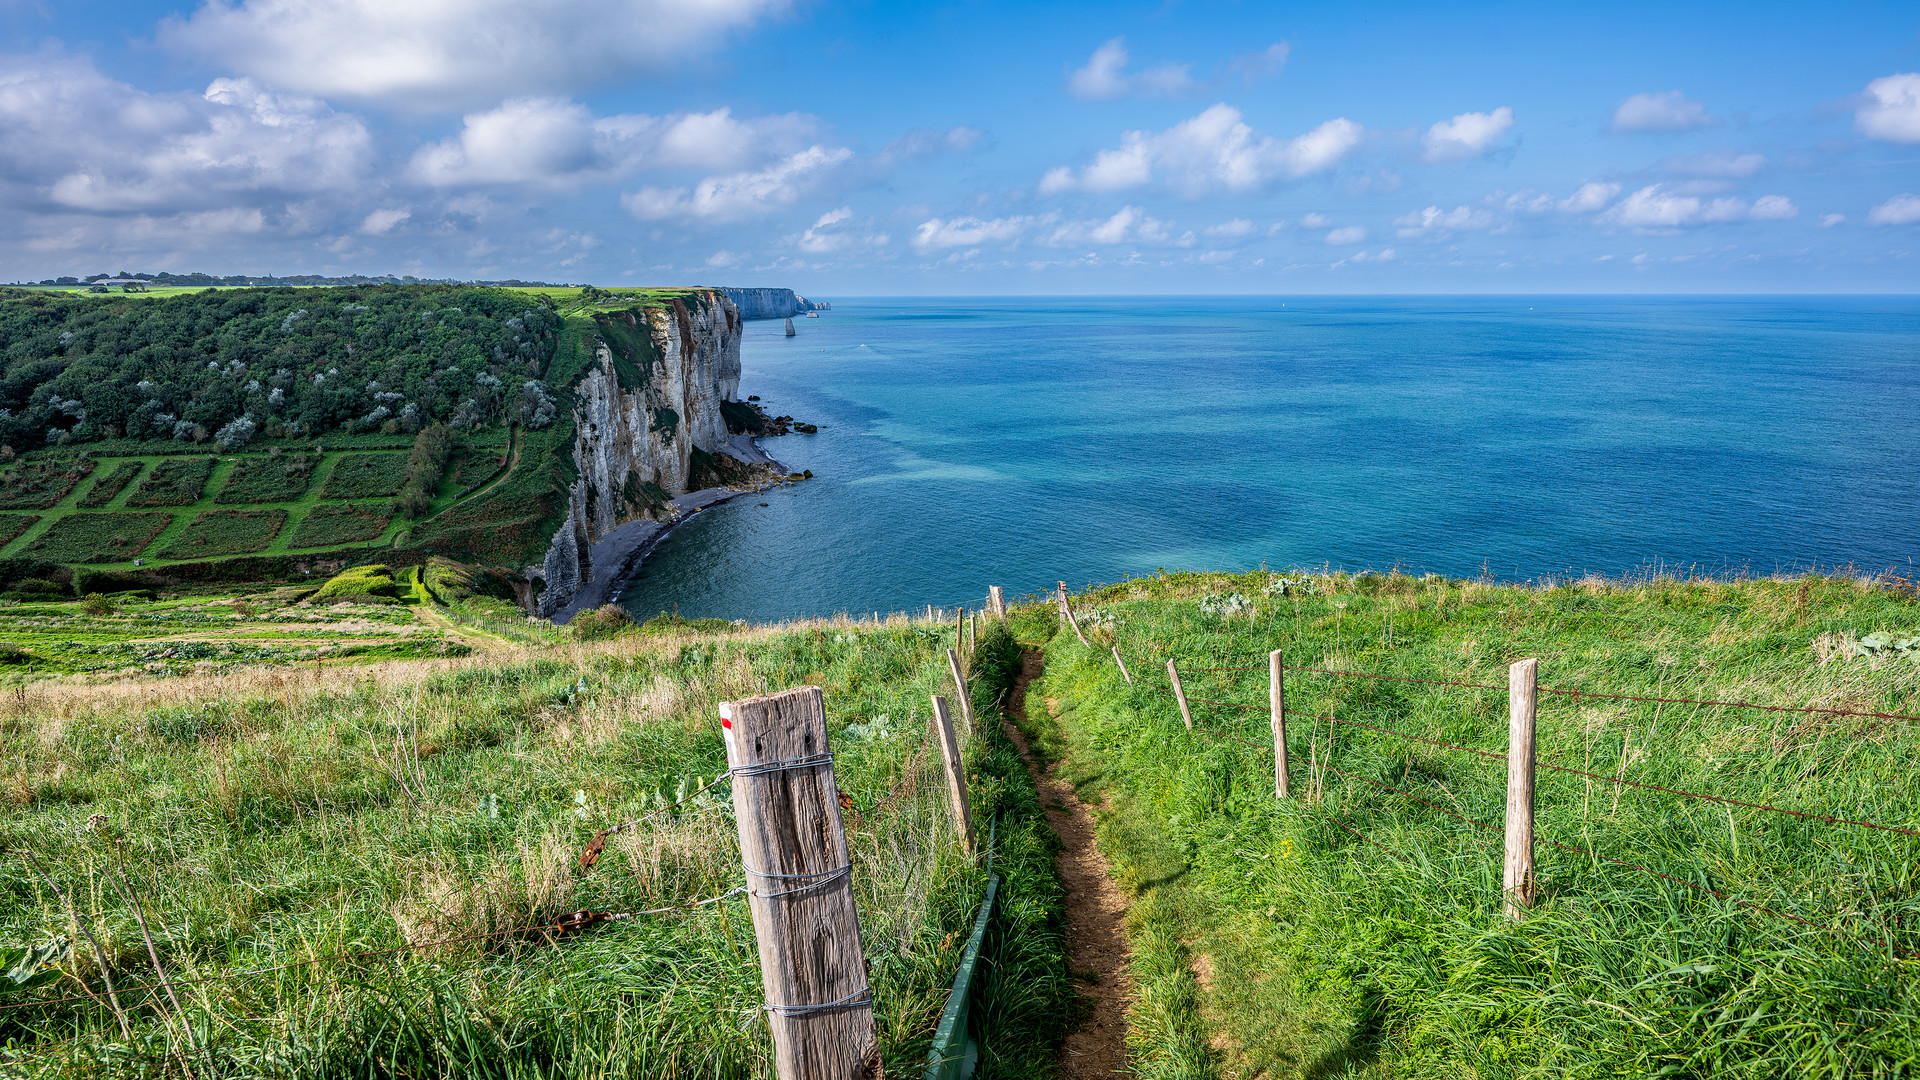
[{"x": 107, "y": 511}]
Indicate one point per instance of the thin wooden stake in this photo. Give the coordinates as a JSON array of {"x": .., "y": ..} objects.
[
  {"x": 1067, "y": 610},
  {"x": 956, "y": 772},
  {"x": 1516, "y": 878},
  {"x": 996, "y": 602},
  {"x": 1277, "y": 709},
  {"x": 800, "y": 887},
  {"x": 1124, "y": 673},
  {"x": 1179, "y": 694},
  {"x": 960, "y": 681}
]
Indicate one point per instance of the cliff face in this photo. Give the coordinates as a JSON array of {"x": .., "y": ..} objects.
[
  {"x": 769, "y": 303},
  {"x": 647, "y": 426}
]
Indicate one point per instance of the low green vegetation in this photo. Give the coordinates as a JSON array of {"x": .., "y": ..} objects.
[
  {"x": 12, "y": 525},
  {"x": 267, "y": 479},
  {"x": 1356, "y": 929},
  {"x": 39, "y": 483},
  {"x": 366, "y": 476},
  {"x": 361, "y": 584},
  {"x": 429, "y": 820},
  {"x": 174, "y": 482},
  {"x": 97, "y": 538},
  {"x": 226, "y": 532},
  {"x": 110, "y": 485},
  {"x": 326, "y": 526},
  {"x": 425, "y": 463}
]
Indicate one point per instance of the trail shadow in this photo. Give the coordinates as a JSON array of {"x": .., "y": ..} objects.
[{"x": 1362, "y": 1046}]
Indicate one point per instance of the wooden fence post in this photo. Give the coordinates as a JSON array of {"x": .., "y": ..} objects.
[
  {"x": 800, "y": 887},
  {"x": 956, "y": 771},
  {"x": 1516, "y": 879},
  {"x": 1277, "y": 708},
  {"x": 960, "y": 636},
  {"x": 1179, "y": 694},
  {"x": 1067, "y": 610},
  {"x": 996, "y": 601},
  {"x": 960, "y": 684},
  {"x": 1124, "y": 673}
]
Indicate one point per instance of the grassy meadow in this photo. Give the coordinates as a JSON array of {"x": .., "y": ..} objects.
[
  {"x": 260, "y": 816},
  {"x": 1354, "y": 931}
]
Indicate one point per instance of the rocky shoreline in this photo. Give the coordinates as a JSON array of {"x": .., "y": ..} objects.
[{"x": 618, "y": 555}]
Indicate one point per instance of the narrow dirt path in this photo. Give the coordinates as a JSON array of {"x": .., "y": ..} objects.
[{"x": 1096, "y": 913}]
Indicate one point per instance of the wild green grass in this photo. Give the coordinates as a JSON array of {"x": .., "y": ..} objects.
[
  {"x": 173, "y": 482},
  {"x": 366, "y": 476},
  {"x": 283, "y": 815},
  {"x": 1353, "y": 931},
  {"x": 97, "y": 538},
  {"x": 12, "y": 525},
  {"x": 226, "y": 532},
  {"x": 107, "y": 487},
  {"x": 36, "y": 484},
  {"x": 267, "y": 479},
  {"x": 325, "y": 526}
]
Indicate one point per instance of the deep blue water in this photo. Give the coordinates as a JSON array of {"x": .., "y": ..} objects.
[{"x": 968, "y": 442}]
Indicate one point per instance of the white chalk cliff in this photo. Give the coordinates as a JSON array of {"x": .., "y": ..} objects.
[{"x": 638, "y": 445}]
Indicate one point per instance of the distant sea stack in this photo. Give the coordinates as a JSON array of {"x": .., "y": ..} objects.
[
  {"x": 789, "y": 327},
  {"x": 770, "y": 303}
]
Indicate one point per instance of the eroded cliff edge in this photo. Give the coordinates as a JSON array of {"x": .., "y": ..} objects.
[
  {"x": 771, "y": 303},
  {"x": 650, "y": 426}
]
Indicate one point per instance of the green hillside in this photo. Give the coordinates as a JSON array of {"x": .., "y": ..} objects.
[
  {"x": 1355, "y": 928},
  {"x": 257, "y": 429}
]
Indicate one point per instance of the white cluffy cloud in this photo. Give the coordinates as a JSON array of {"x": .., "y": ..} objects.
[
  {"x": 1351, "y": 234},
  {"x": 1890, "y": 109},
  {"x": 436, "y": 54},
  {"x": 553, "y": 142},
  {"x": 1589, "y": 197},
  {"x": 833, "y": 231},
  {"x": 1468, "y": 135},
  {"x": 1105, "y": 76},
  {"x": 964, "y": 232},
  {"x": 1127, "y": 223},
  {"x": 1902, "y": 209},
  {"x": 1434, "y": 221},
  {"x": 1215, "y": 149},
  {"x": 1719, "y": 164},
  {"x": 81, "y": 141},
  {"x": 742, "y": 195},
  {"x": 1659, "y": 207},
  {"x": 1667, "y": 111}
]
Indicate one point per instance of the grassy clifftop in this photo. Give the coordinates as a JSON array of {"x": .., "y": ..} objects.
[
  {"x": 1356, "y": 929},
  {"x": 320, "y": 823}
]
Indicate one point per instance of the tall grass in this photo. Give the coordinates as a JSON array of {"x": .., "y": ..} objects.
[
  {"x": 1353, "y": 931},
  {"x": 274, "y": 816}
]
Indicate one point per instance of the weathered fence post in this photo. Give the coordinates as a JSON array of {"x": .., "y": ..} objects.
[
  {"x": 996, "y": 602},
  {"x": 1179, "y": 694},
  {"x": 1124, "y": 673},
  {"x": 1277, "y": 708},
  {"x": 1067, "y": 610},
  {"x": 1516, "y": 879},
  {"x": 960, "y": 685},
  {"x": 956, "y": 771},
  {"x": 800, "y": 887}
]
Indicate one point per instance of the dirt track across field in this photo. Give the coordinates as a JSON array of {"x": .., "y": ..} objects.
[{"x": 1096, "y": 914}]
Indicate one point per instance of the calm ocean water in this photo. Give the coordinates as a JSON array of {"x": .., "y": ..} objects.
[{"x": 968, "y": 442}]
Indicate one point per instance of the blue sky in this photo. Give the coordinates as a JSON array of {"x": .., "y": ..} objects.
[{"x": 867, "y": 148}]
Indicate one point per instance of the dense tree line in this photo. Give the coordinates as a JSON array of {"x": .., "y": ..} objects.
[{"x": 233, "y": 366}]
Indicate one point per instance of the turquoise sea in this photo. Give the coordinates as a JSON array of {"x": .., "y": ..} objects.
[{"x": 1019, "y": 442}]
